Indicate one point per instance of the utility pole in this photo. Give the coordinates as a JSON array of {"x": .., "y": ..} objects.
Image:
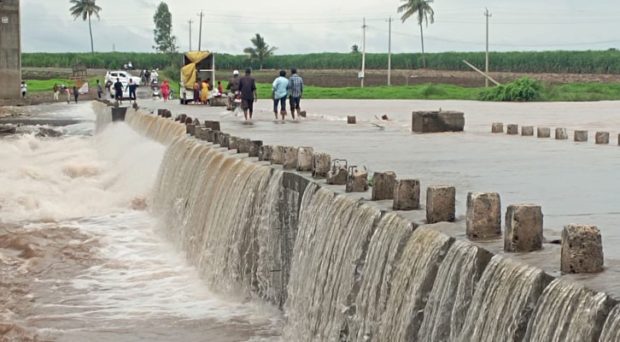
[
  {"x": 486, "y": 62},
  {"x": 190, "y": 34},
  {"x": 363, "y": 74},
  {"x": 200, "y": 32},
  {"x": 389, "y": 80}
]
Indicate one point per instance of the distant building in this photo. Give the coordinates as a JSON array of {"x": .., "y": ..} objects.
[{"x": 10, "y": 49}]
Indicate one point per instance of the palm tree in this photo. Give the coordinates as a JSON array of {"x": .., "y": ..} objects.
[
  {"x": 260, "y": 51},
  {"x": 424, "y": 11},
  {"x": 85, "y": 9}
]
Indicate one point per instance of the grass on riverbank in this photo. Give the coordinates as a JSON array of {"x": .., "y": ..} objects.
[{"x": 564, "y": 92}]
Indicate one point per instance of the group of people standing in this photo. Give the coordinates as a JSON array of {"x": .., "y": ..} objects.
[
  {"x": 291, "y": 88},
  {"x": 282, "y": 88},
  {"x": 204, "y": 91},
  {"x": 58, "y": 89}
]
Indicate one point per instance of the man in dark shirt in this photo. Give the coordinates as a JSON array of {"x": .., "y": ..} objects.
[
  {"x": 247, "y": 87},
  {"x": 118, "y": 91}
]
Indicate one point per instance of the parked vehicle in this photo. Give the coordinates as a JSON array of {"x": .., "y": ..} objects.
[
  {"x": 123, "y": 76},
  {"x": 197, "y": 66}
]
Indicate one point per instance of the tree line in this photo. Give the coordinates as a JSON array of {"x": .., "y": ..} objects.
[{"x": 596, "y": 62}]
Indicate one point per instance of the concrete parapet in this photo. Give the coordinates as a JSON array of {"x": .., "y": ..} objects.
[
  {"x": 255, "y": 146},
  {"x": 383, "y": 184},
  {"x": 527, "y": 131},
  {"x": 351, "y": 120},
  {"x": 304, "y": 158},
  {"x": 497, "y": 127},
  {"x": 561, "y": 134},
  {"x": 437, "y": 121},
  {"x": 602, "y": 138},
  {"x": 320, "y": 165},
  {"x": 484, "y": 215},
  {"x": 265, "y": 152},
  {"x": 582, "y": 249},
  {"x": 407, "y": 194},
  {"x": 357, "y": 181},
  {"x": 277, "y": 155},
  {"x": 338, "y": 174},
  {"x": 512, "y": 129},
  {"x": 524, "y": 228},
  {"x": 290, "y": 158},
  {"x": 440, "y": 204},
  {"x": 581, "y": 136},
  {"x": 543, "y": 132}
]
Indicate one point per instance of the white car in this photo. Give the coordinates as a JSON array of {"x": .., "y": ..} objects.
[{"x": 123, "y": 76}]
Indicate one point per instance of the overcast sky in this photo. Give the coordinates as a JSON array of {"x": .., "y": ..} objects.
[{"x": 296, "y": 26}]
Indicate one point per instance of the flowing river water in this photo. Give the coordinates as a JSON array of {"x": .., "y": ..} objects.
[
  {"x": 82, "y": 259},
  {"x": 139, "y": 233}
]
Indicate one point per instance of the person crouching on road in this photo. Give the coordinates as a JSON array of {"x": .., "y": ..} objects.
[{"x": 279, "y": 88}]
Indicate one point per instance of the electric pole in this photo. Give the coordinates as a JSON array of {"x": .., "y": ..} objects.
[
  {"x": 363, "y": 74},
  {"x": 200, "y": 32},
  {"x": 486, "y": 62},
  {"x": 389, "y": 80},
  {"x": 190, "y": 34}
]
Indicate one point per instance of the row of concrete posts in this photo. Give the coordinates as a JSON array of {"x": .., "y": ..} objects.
[
  {"x": 601, "y": 138},
  {"x": 581, "y": 245}
]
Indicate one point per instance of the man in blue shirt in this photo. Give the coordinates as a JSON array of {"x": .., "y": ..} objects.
[
  {"x": 280, "y": 91},
  {"x": 296, "y": 90}
]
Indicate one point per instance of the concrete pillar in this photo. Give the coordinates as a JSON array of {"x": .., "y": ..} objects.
[
  {"x": 527, "y": 131},
  {"x": 581, "y": 136},
  {"x": 290, "y": 158},
  {"x": 383, "y": 184},
  {"x": 214, "y": 125},
  {"x": 351, "y": 119},
  {"x": 10, "y": 50},
  {"x": 338, "y": 174},
  {"x": 437, "y": 121},
  {"x": 211, "y": 136},
  {"x": 201, "y": 133},
  {"x": 543, "y": 132},
  {"x": 233, "y": 143},
  {"x": 244, "y": 145},
  {"x": 524, "y": 228},
  {"x": 484, "y": 215},
  {"x": 440, "y": 204},
  {"x": 357, "y": 181},
  {"x": 218, "y": 135},
  {"x": 277, "y": 155},
  {"x": 497, "y": 127},
  {"x": 304, "y": 158},
  {"x": 561, "y": 134},
  {"x": 602, "y": 138},
  {"x": 320, "y": 165},
  {"x": 512, "y": 129},
  {"x": 582, "y": 249},
  {"x": 224, "y": 139},
  {"x": 265, "y": 152},
  {"x": 255, "y": 146},
  {"x": 407, "y": 194},
  {"x": 190, "y": 129}
]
